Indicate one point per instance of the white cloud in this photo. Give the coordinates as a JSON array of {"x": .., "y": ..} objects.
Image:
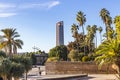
[
  {"x": 7, "y": 10},
  {"x": 6, "y": 5},
  {"x": 7, "y": 14},
  {"x": 39, "y": 5},
  {"x": 10, "y": 9},
  {"x": 52, "y": 4}
]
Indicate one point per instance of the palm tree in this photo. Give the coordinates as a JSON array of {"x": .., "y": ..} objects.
[
  {"x": 94, "y": 29},
  {"x": 10, "y": 42},
  {"x": 87, "y": 39},
  {"x": 88, "y": 28},
  {"x": 3, "y": 54},
  {"x": 90, "y": 37},
  {"x": 1, "y": 38},
  {"x": 117, "y": 25},
  {"x": 17, "y": 43},
  {"x": 109, "y": 53},
  {"x": 100, "y": 30},
  {"x": 81, "y": 19},
  {"x": 105, "y": 16},
  {"x": 74, "y": 30}
]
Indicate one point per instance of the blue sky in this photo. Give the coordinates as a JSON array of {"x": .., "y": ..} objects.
[{"x": 35, "y": 20}]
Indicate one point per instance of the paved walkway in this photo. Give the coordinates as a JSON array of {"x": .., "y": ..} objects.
[
  {"x": 55, "y": 77},
  {"x": 34, "y": 75},
  {"x": 100, "y": 77},
  {"x": 89, "y": 77}
]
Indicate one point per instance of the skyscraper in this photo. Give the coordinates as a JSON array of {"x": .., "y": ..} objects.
[{"x": 59, "y": 33}]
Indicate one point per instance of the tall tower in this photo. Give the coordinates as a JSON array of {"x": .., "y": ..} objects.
[{"x": 59, "y": 33}]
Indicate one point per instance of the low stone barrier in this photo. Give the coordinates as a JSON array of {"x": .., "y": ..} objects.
[{"x": 66, "y": 67}]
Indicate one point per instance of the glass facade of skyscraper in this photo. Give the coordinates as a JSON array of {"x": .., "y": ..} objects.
[{"x": 59, "y": 33}]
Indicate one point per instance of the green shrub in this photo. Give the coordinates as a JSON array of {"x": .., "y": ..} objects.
[
  {"x": 2, "y": 54},
  {"x": 73, "y": 55},
  {"x": 53, "y": 59},
  {"x": 85, "y": 58}
]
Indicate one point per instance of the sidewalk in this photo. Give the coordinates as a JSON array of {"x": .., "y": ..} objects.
[
  {"x": 55, "y": 77},
  {"x": 34, "y": 75},
  {"x": 74, "y": 77},
  {"x": 102, "y": 77}
]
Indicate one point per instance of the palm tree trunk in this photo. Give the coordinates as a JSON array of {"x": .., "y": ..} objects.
[
  {"x": 106, "y": 30},
  {"x": 14, "y": 50},
  {"x": 100, "y": 37},
  {"x": 9, "y": 76},
  {"x": 10, "y": 49},
  {"x": 96, "y": 40},
  {"x": 25, "y": 75},
  {"x": 4, "y": 77},
  {"x": 16, "y": 78},
  {"x": 89, "y": 46},
  {"x": 116, "y": 67},
  {"x": 76, "y": 39},
  {"x": 5, "y": 49},
  {"x": 84, "y": 38}
]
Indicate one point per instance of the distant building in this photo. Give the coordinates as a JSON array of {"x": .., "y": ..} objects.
[
  {"x": 41, "y": 58},
  {"x": 59, "y": 33}
]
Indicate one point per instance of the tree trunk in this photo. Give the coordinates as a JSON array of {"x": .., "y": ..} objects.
[
  {"x": 84, "y": 39},
  {"x": 100, "y": 37},
  {"x": 10, "y": 50},
  {"x": 117, "y": 69},
  {"x": 4, "y": 77},
  {"x": 96, "y": 40},
  {"x": 16, "y": 78},
  {"x": 14, "y": 50},
  {"x": 25, "y": 75},
  {"x": 107, "y": 30},
  {"x": 9, "y": 77}
]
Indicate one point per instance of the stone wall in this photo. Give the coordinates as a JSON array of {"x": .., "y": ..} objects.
[{"x": 75, "y": 68}]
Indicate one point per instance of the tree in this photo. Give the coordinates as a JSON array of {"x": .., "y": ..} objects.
[
  {"x": 23, "y": 60},
  {"x": 90, "y": 37},
  {"x": 117, "y": 26},
  {"x": 94, "y": 29},
  {"x": 52, "y": 59},
  {"x": 59, "y": 51},
  {"x": 81, "y": 19},
  {"x": 78, "y": 44},
  {"x": 17, "y": 70},
  {"x": 105, "y": 16},
  {"x": 74, "y": 30},
  {"x": 109, "y": 53},
  {"x": 72, "y": 45},
  {"x": 27, "y": 63},
  {"x": 17, "y": 44},
  {"x": 3, "y": 54},
  {"x": 14, "y": 66},
  {"x": 5, "y": 67},
  {"x": 73, "y": 55},
  {"x": 10, "y": 41},
  {"x": 52, "y": 53},
  {"x": 100, "y": 30}
]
